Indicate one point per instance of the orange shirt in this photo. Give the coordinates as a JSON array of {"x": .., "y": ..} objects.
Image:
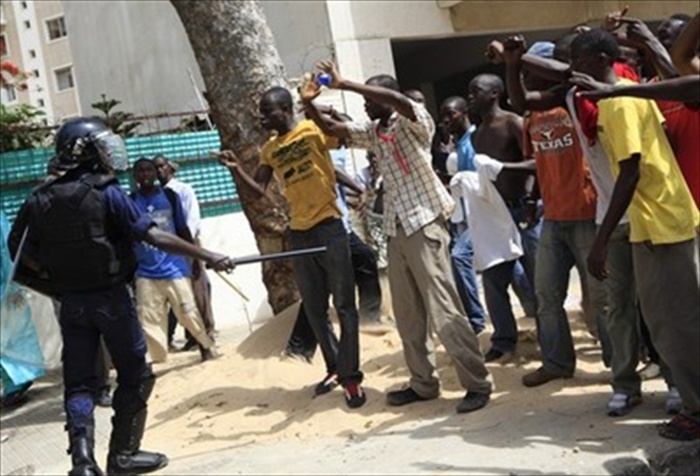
[
  {"x": 564, "y": 181},
  {"x": 683, "y": 129}
]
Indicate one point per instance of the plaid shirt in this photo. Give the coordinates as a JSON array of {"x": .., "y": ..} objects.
[{"x": 414, "y": 196}]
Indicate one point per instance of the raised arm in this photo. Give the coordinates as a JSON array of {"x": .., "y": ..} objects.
[
  {"x": 546, "y": 68},
  {"x": 684, "y": 50},
  {"x": 683, "y": 89},
  {"x": 512, "y": 55},
  {"x": 521, "y": 99},
  {"x": 397, "y": 100},
  {"x": 256, "y": 184},
  {"x": 331, "y": 126},
  {"x": 639, "y": 34}
]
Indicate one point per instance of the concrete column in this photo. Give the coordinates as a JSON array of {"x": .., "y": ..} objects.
[{"x": 358, "y": 60}]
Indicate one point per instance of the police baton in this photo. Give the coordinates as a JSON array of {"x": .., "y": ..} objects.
[
  {"x": 275, "y": 256},
  {"x": 267, "y": 257}
]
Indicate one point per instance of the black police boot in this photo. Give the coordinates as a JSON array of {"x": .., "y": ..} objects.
[
  {"x": 125, "y": 456},
  {"x": 82, "y": 444}
]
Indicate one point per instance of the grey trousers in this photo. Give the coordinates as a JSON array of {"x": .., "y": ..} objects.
[
  {"x": 668, "y": 284},
  {"x": 622, "y": 317},
  {"x": 424, "y": 294}
]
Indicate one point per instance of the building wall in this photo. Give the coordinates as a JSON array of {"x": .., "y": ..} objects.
[
  {"x": 399, "y": 19},
  {"x": 9, "y": 29},
  {"x": 135, "y": 52},
  {"x": 48, "y": 56},
  {"x": 302, "y": 33},
  {"x": 25, "y": 27},
  {"x": 496, "y": 16},
  {"x": 57, "y": 54},
  {"x": 138, "y": 44}
]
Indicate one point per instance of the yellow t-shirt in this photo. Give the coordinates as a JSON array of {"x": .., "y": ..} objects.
[
  {"x": 303, "y": 166},
  {"x": 662, "y": 209}
]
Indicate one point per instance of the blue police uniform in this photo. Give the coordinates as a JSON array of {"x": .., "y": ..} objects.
[{"x": 80, "y": 230}]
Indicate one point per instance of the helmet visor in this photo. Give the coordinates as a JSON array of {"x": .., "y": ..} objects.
[{"x": 112, "y": 150}]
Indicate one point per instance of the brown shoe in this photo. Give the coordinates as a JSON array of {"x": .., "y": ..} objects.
[{"x": 540, "y": 377}]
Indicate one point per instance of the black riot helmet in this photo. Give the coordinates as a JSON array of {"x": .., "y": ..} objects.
[{"x": 86, "y": 139}]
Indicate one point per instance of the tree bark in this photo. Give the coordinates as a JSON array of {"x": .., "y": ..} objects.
[{"x": 238, "y": 60}]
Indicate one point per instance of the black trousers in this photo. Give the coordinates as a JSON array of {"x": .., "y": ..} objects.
[
  {"x": 330, "y": 275},
  {"x": 302, "y": 340}
]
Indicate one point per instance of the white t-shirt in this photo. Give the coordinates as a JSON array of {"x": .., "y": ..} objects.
[
  {"x": 190, "y": 205},
  {"x": 598, "y": 164},
  {"x": 494, "y": 234}
]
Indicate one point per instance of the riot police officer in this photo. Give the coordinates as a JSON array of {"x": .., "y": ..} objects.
[{"x": 75, "y": 235}]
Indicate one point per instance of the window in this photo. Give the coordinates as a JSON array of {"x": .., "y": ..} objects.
[
  {"x": 24, "y": 5},
  {"x": 8, "y": 94},
  {"x": 64, "y": 78},
  {"x": 35, "y": 73},
  {"x": 40, "y": 102},
  {"x": 3, "y": 45},
  {"x": 56, "y": 28},
  {"x": 32, "y": 53},
  {"x": 27, "y": 24}
]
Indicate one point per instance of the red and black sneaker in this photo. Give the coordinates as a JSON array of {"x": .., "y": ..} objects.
[
  {"x": 680, "y": 428},
  {"x": 329, "y": 382},
  {"x": 354, "y": 395}
]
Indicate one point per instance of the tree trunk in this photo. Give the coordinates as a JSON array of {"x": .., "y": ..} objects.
[{"x": 238, "y": 60}]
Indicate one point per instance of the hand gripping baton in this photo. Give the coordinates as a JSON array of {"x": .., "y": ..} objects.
[{"x": 274, "y": 256}]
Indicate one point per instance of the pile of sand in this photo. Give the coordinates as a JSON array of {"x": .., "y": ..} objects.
[{"x": 252, "y": 394}]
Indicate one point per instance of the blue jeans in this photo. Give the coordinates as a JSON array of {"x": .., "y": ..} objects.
[
  {"x": 520, "y": 274},
  {"x": 83, "y": 318},
  {"x": 462, "y": 255},
  {"x": 524, "y": 288},
  {"x": 330, "y": 274},
  {"x": 563, "y": 245}
]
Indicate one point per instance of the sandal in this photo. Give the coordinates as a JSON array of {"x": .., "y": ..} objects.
[{"x": 680, "y": 428}]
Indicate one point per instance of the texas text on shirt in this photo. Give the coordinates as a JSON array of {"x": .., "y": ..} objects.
[
  {"x": 565, "y": 184},
  {"x": 414, "y": 194}
]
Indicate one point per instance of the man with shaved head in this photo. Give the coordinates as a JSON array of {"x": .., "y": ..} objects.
[
  {"x": 298, "y": 156},
  {"x": 454, "y": 118},
  {"x": 500, "y": 136}
]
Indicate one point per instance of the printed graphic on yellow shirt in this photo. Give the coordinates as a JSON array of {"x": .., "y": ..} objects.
[{"x": 303, "y": 166}]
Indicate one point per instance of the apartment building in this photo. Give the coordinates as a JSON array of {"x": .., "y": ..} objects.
[{"x": 34, "y": 37}]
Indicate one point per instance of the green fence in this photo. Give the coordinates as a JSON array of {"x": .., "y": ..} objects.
[{"x": 22, "y": 170}]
